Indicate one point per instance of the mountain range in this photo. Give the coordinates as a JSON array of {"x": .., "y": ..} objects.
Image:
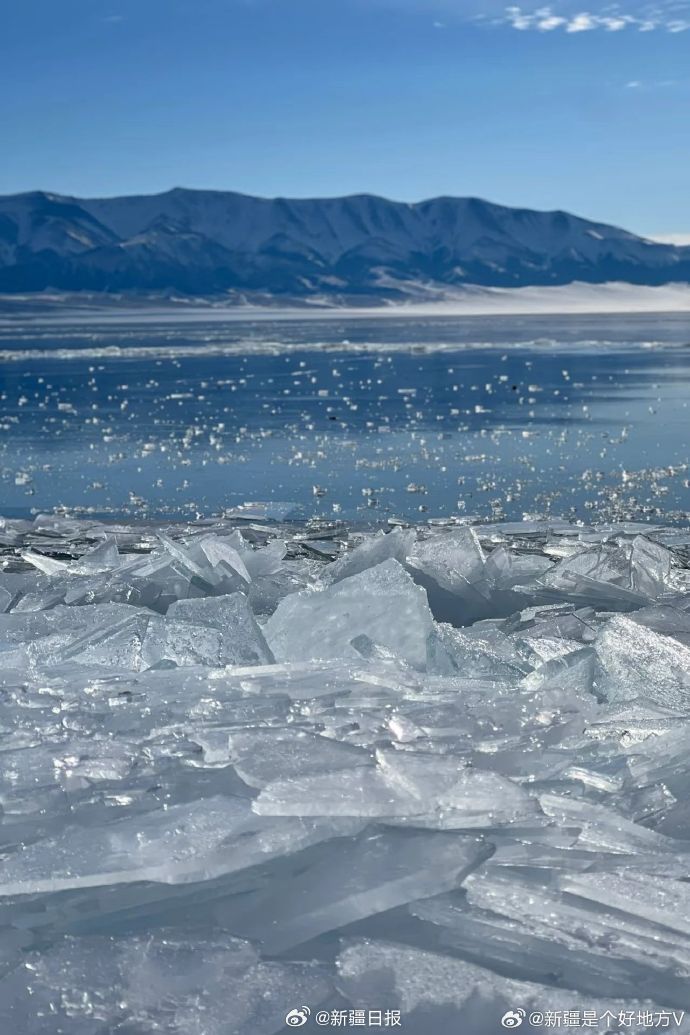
[{"x": 200, "y": 242}]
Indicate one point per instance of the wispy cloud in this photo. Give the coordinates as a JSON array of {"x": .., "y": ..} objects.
[
  {"x": 672, "y": 19},
  {"x": 646, "y": 85},
  {"x": 572, "y": 17}
]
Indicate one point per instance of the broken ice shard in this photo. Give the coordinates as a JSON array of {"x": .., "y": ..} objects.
[
  {"x": 382, "y": 603},
  {"x": 241, "y": 640},
  {"x": 638, "y": 662}
]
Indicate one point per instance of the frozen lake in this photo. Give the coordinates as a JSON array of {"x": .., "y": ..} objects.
[
  {"x": 179, "y": 414},
  {"x": 260, "y": 775}
]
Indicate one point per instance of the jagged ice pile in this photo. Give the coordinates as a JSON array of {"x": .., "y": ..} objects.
[{"x": 442, "y": 770}]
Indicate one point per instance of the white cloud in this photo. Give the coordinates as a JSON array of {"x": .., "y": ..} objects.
[
  {"x": 582, "y": 23},
  {"x": 610, "y": 19},
  {"x": 571, "y": 16},
  {"x": 648, "y": 85},
  {"x": 549, "y": 22}
]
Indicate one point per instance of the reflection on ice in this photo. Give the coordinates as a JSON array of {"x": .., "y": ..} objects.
[{"x": 250, "y": 766}]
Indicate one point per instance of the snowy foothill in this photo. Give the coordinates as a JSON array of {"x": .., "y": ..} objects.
[{"x": 249, "y": 767}]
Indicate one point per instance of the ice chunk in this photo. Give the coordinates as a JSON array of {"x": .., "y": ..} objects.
[
  {"x": 215, "y": 985},
  {"x": 382, "y": 603},
  {"x": 454, "y": 560},
  {"x": 104, "y": 557},
  {"x": 257, "y": 755},
  {"x": 48, "y": 565},
  {"x": 182, "y": 643},
  {"x": 116, "y": 644},
  {"x": 190, "y": 842},
  {"x": 506, "y": 570},
  {"x": 373, "y": 550},
  {"x": 558, "y": 620},
  {"x": 638, "y": 662},
  {"x": 215, "y": 565},
  {"x": 266, "y": 560},
  {"x": 137, "y": 641},
  {"x": 356, "y": 792},
  {"x": 169, "y": 846},
  {"x": 404, "y": 785},
  {"x": 212, "y": 631},
  {"x": 221, "y": 554},
  {"x": 349, "y": 879},
  {"x": 455, "y": 651},
  {"x": 450, "y": 566},
  {"x": 650, "y": 566},
  {"x": 573, "y": 671},
  {"x": 619, "y": 576},
  {"x": 634, "y": 721},
  {"x": 242, "y": 641},
  {"x": 665, "y": 619},
  {"x": 633, "y": 928},
  {"x": 445, "y": 995},
  {"x": 30, "y": 626}
]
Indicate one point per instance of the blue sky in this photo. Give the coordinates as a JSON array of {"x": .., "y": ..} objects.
[{"x": 583, "y": 106}]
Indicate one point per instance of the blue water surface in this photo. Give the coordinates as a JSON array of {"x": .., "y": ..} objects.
[{"x": 365, "y": 418}]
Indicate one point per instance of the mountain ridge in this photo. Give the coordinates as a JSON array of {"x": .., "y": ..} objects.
[{"x": 201, "y": 242}]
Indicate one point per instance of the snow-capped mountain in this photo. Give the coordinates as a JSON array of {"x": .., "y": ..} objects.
[{"x": 205, "y": 242}]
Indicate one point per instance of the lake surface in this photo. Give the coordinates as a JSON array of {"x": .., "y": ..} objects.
[{"x": 177, "y": 414}]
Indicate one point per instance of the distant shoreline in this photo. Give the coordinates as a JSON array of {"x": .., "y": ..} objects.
[{"x": 420, "y": 301}]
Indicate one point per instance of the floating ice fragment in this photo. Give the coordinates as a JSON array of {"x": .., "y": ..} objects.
[{"x": 360, "y": 792}]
